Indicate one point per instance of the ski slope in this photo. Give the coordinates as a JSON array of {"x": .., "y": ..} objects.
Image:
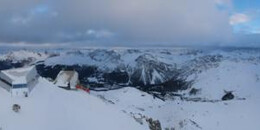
[{"x": 51, "y": 108}]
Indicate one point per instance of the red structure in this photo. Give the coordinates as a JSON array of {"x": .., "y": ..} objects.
[{"x": 83, "y": 88}]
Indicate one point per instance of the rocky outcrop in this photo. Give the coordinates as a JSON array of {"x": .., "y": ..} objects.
[
  {"x": 149, "y": 71},
  {"x": 154, "y": 124},
  {"x": 201, "y": 64},
  {"x": 228, "y": 96}
]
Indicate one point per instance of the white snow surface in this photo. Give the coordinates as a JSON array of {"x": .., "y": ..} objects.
[
  {"x": 240, "y": 77},
  {"x": 51, "y": 108},
  {"x": 233, "y": 115}
]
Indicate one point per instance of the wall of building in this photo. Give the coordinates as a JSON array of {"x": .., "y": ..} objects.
[
  {"x": 5, "y": 82},
  {"x": 5, "y": 86},
  {"x": 5, "y": 77},
  {"x": 74, "y": 81},
  {"x": 32, "y": 83},
  {"x": 20, "y": 92},
  {"x": 32, "y": 78}
]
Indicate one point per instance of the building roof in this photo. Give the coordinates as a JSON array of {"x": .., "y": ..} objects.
[
  {"x": 18, "y": 75},
  {"x": 64, "y": 77}
]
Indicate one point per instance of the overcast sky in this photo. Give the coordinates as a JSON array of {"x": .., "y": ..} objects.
[{"x": 131, "y": 22}]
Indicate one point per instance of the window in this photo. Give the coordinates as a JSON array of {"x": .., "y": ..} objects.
[{"x": 19, "y": 85}]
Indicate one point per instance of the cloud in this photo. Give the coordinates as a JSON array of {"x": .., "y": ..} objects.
[
  {"x": 90, "y": 35},
  {"x": 40, "y": 9},
  {"x": 20, "y": 20},
  {"x": 239, "y": 18},
  {"x": 99, "y": 33},
  {"x": 257, "y": 30},
  {"x": 33, "y": 14},
  {"x": 124, "y": 22},
  {"x": 247, "y": 40},
  {"x": 226, "y": 4}
]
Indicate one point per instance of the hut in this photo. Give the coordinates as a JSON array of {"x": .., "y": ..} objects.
[
  {"x": 19, "y": 81},
  {"x": 67, "y": 79}
]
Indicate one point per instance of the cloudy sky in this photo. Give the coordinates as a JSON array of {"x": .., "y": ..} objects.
[{"x": 131, "y": 22}]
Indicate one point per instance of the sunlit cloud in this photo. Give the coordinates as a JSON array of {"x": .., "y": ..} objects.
[{"x": 239, "y": 18}]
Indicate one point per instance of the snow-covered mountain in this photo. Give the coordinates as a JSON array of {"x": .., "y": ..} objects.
[
  {"x": 23, "y": 55},
  {"x": 20, "y": 58},
  {"x": 133, "y": 67},
  {"x": 182, "y": 88},
  {"x": 141, "y": 68},
  {"x": 127, "y": 66}
]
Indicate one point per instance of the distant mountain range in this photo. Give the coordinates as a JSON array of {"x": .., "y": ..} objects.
[{"x": 159, "y": 70}]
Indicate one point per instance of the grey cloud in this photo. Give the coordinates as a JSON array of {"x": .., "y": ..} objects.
[
  {"x": 247, "y": 40},
  {"x": 115, "y": 22}
]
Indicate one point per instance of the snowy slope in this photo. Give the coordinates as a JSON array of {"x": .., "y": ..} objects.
[
  {"x": 184, "y": 115},
  {"x": 241, "y": 77},
  {"x": 52, "y": 108}
]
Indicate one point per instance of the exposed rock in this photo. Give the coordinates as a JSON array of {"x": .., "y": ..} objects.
[
  {"x": 201, "y": 64},
  {"x": 150, "y": 71},
  {"x": 154, "y": 124},
  {"x": 16, "y": 108},
  {"x": 228, "y": 96},
  {"x": 169, "y": 128},
  {"x": 194, "y": 91}
]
